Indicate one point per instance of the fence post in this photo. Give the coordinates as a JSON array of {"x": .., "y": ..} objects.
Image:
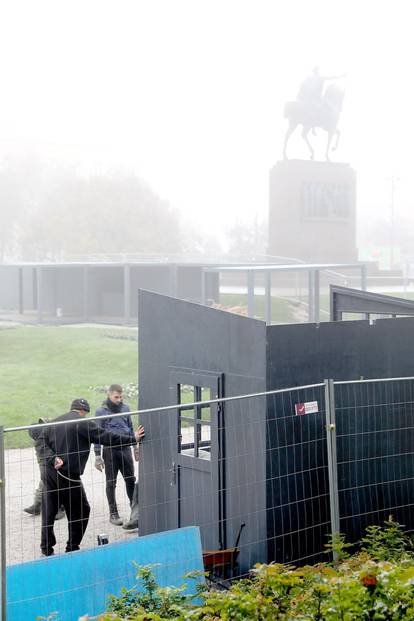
[
  {"x": 311, "y": 296},
  {"x": 2, "y": 526},
  {"x": 250, "y": 293},
  {"x": 364, "y": 277},
  {"x": 268, "y": 297},
  {"x": 316, "y": 296},
  {"x": 203, "y": 286},
  {"x": 332, "y": 459}
]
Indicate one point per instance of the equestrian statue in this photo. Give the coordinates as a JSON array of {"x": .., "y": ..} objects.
[{"x": 315, "y": 107}]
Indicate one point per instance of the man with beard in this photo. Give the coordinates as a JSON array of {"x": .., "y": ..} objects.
[{"x": 119, "y": 458}]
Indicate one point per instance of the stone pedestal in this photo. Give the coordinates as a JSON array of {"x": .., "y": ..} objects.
[{"x": 312, "y": 211}]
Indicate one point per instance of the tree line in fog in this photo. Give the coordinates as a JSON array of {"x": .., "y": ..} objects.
[{"x": 54, "y": 213}]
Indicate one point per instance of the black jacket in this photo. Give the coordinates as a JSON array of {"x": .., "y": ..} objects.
[
  {"x": 34, "y": 432},
  {"x": 119, "y": 424},
  {"x": 72, "y": 442}
]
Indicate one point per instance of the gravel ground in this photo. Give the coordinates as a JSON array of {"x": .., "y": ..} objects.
[{"x": 23, "y": 530}]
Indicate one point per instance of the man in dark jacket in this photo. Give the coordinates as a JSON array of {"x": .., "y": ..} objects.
[
  {"x": 65, "y": 448},
  {"x": 36, "y": 507},
  {"x": 119, "y": 458}
]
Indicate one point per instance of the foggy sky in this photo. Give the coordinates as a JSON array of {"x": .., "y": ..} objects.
[{"x": 190, "y": 93}]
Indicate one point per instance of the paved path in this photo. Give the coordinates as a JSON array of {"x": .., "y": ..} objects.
[{"x": 23, "y": 530}]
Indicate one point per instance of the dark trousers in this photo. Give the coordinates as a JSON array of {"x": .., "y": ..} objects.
[
  {"x": 134, "y": 506},
  {"x": 37, "y": 500},
  {"x": 118, "y": 460},
  {"x": 59, "y": 491}
]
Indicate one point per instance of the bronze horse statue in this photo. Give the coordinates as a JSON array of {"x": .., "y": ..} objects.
[{"x": 310, "y": 114}]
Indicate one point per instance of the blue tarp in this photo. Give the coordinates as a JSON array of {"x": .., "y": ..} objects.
[{"x": 78, "y": 583}]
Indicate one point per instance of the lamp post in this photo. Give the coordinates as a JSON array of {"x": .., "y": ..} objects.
[{"x": 393, "y": 180}]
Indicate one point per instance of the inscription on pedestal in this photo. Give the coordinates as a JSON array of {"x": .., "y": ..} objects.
[
  {"x": 312, "y": 211},
  {"x": 325, "y": 201}
]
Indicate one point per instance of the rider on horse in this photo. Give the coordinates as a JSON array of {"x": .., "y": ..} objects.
[
  {"x": 311, "y": 89},
  {"x": 311, "y": 93},
  {"x": 315, "y": 106}
]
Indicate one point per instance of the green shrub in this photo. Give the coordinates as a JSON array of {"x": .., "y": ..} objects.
[
  {"x": 375, "y": 584},
  {"x": 151, "y": 601},
  {"x": 356, "y": 590},
  {"x": 388, "y": 542},
  {"x": 337, "y": 546}
]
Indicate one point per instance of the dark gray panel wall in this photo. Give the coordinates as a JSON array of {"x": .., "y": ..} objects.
[
  {"x": 178, "y": 334},
  {"x": 189, "y": 284},
  {"x": 59, "y": 288},
  {"x": 9, "y": 288},
  {"x": 308, "y": 353},
  {"x": 346, "y": 300},
  {"x": 157, "y": 278},
  {"x": 106, "y": 291},
  {"x": 175, "y": 334},
  {"x": 63, "y": 286},
  {"x": 47, "y": 292},
  {"x": 29, "y": 288},
  {"x": 69, "y": 291}
]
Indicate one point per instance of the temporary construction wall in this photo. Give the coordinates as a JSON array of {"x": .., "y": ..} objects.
[
  {"x": 184, "y": 343},
  {"x": 273, "y": 463}
]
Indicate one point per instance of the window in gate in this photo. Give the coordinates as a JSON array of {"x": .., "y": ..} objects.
[{"x": 194, "y": 422}]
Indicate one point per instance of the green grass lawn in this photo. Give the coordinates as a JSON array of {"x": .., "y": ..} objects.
[
  {"x": 43, "y": 368},
  {"x": 283, "y": 310}
]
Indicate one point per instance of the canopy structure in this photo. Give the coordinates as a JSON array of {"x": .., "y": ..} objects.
[{"x": 346, "y": 300}]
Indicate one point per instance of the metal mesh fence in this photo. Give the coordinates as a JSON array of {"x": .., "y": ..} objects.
[
  {"x": 249, "y": 471},
  {"x": 24, "y": 529},
  {"x": 298, "y": 487},
  {"x": 266, "y": 477},
  {"x": 375, "y": 448}
]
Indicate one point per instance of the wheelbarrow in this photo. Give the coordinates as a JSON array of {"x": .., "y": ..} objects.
[{"x": 221, "y": 564}]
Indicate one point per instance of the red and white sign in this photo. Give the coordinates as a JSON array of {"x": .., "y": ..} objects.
[{"x": 310, "y": 407}]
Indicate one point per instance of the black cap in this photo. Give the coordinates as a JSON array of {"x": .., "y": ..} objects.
[{"x": 80, "y": 404}]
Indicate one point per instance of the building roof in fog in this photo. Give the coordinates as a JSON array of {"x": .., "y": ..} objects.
[{"x": 218, "y": 267}]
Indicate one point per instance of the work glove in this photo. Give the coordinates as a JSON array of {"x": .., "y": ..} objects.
[{"x": 99, "y": 463}]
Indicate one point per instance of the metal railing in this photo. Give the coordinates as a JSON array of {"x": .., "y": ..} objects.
[{"x": 313, "y": 273}]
